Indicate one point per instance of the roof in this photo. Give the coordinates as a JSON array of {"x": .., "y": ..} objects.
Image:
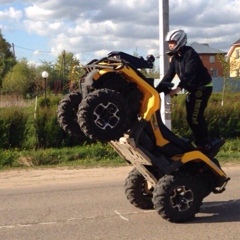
[
  {"x": 237, "y": 42},
  {"x": 232, "y": 48},
  {"x": 204, "y": 48}
]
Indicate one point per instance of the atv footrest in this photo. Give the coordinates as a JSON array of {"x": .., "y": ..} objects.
[
  {"x": 222, "y": 188},
  {"x": 127, "y": 149}
]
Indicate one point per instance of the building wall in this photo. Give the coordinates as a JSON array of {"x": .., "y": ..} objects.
[
  {"x": 234, "y": 59},
  {"x": 212, "y": 64}
]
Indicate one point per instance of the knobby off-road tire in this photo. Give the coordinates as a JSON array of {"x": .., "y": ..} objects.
[
  {"x": 67, "y": 113},
  {"x": 137, "y": 190},
  {"x": 128, "y": 90},
  {"x": 176, "y": 197},
  {"x": 103, "y": 115}
]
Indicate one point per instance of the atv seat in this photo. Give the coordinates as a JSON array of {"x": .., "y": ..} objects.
[{"x": 175, "y": 144}]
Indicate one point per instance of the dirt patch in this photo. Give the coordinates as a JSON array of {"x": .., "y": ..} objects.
[{"x": 37, "y": 177}]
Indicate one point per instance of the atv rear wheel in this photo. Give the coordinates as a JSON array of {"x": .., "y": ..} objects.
[
  {"x": 176, "y": 197},
  {"x": 67, "y": 113},
  {"x": 138, "y": 191},
  {"x": 103, "y": 115}
]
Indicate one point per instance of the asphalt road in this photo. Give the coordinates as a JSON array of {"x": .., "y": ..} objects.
[{"x": 62, "y": 204}]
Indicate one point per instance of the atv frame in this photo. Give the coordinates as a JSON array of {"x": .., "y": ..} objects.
[{"x": 117, "y": 104}]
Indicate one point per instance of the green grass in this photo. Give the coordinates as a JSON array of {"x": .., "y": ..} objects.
[
  {"x": 83, "y": 156},
  {"x": 230, "y": 152},
  {"x": 94, "y": 155}
]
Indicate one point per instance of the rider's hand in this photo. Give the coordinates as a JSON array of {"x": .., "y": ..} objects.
[{"x": 174, "y": 91}]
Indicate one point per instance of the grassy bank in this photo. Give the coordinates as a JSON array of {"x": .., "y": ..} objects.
[
  {"x": 93, "y": 155},
  {"x": 82, "y": 156}
]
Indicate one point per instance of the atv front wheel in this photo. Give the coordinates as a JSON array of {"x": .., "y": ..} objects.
[
  {"x": 138, "y": 191},
  {"x": 103, "y": 115},
  {"x": 67, "y": 113},
  {"x": 176, "y": 197}
]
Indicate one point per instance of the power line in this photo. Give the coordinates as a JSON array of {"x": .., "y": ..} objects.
[{"x": 31, "y": 50}]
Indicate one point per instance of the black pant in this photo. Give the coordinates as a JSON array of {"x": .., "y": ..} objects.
[{"x": 196, "y": 103}]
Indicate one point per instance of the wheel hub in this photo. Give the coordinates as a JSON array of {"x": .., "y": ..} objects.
[
  {"x": 181, "y": 198},
  {"x": 106, "y": 115}
]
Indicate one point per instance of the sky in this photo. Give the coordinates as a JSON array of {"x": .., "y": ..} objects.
[{"x": 40, "y": 30}]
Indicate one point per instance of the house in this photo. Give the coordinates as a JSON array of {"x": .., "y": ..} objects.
[
  {"x": 209, "y": 58},
  {"x": 234, "y": 59},
  {"x": 214, "y": 66}
]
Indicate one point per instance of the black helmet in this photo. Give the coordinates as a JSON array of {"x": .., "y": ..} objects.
[{"x": 179, "y": 36}]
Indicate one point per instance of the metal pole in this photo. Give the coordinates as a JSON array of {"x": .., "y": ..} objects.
[
  {"x": 45, "y": 91},
  {"x": 163, "y": 29},
  {"x": 164, "y": 61},
  {"x": 45, "y": 76}
]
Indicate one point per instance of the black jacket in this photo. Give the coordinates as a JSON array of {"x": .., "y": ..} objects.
[{"x": 189, "y": 68}]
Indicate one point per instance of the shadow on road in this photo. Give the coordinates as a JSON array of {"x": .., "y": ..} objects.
[{"x": 223, "y": 211}]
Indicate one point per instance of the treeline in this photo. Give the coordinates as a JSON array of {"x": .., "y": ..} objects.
[
  {"x": 25, "y": 128},
  {"x": 25, "y": 79},
  {"x": 19, "y": 76}
]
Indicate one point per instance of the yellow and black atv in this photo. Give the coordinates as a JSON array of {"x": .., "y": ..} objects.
[{"x": 117, "y": 104}]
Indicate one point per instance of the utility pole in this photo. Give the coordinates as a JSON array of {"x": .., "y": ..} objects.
[
  {"x": 63, "y": 63},
  {"x": 164, "y": 61},
  {"x": 13, "y": 49}
]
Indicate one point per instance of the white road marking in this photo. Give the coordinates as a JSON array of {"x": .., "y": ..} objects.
[
  {"x": 71, "y": 220},
  {"x": 121, "y": 216},
  {"x": 48, "y": 223},
  {"x": 9, "y": 226},
  {"x": 23, "y": 225}
]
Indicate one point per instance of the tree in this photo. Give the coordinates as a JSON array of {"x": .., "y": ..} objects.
[
  {"x": 7, "y": 58},
  {"x": 65, "y": 66},
  {"x": 228, "y": 67},
  {"x": 20, "y": 79},
  {"x": 52, "y": 79}
]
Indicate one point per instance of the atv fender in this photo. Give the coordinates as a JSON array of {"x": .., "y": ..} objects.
[
  {"x": 151, "y": 101},
  {"x": 199, "y": 156}
]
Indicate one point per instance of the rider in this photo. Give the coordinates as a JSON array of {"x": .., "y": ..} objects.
[{"x": 195, "y": 78}]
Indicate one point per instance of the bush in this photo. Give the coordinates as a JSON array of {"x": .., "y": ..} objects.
[
  {"x": 23, "y": 127},
  {"x": 13, "y": 127},
  {"x": 48, "y": 132},
  {"x": 223, "y": 121},
  {"x": 7, "y": 158},
  {"x": 20, "y": 129}
]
